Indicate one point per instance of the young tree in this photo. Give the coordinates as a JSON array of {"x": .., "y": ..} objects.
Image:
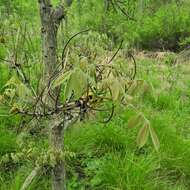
[{"x": 50, "y": 21}]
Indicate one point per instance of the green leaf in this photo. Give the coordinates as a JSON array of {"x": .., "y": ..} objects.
[
  {"x": 61, "y": 79},
  {"x": 114, "y": 85},
  {"x": 84, "y": 64},
  {"x": 135, "y": 121},
  {"x": 76, "y": 84},
  {"x": 115, "y": 89},
  {"x": 143, "y": 135},
  {"x": 154, "y": 138},
  {"x": 23, "y": 91}
]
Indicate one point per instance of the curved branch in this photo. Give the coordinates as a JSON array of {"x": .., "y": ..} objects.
[
  {"x": 111, "y": 115},
  {"x": 63, "y": 53},
  {"x": 135, "y": 66},
  {"x": 116, "y": 52}
]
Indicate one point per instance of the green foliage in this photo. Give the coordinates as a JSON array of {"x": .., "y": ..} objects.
[
  {"x": 79, "y": 87},
  {"x": 109, "y": 159},
  {"x": 18, "y": 8},
  {"x": 4, "y": 75},
  {"x": 170, "y": 59},
  {"x": 19, "y": 176},
  {"x": 155, "y": 26},
  {"x": 7, "y": 142},
  {"x": 144, "y": 132},
  {"x": 184, "y": 43},
  {"x": 112, "y": 172},
  {"x": 165, "y": 29}
]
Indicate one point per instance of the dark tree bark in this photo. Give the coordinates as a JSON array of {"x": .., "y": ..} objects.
[
  {"x": 68, "y": 2},
  {"x": 50, "y": 20},
  {"x": 57, "y": 145}
]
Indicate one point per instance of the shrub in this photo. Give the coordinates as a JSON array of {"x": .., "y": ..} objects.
[{"x": 165, "y": 29}]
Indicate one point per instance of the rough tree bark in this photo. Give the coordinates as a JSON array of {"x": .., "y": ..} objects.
[
  {"x": 57, "y": 143},
  {"x": 50, "y": 21},
  {"x": 68, "y": 2}
]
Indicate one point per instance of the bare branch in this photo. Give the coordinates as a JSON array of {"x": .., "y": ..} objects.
[
  {"x": 56, "y": 72},
  {"x": 116, "y": 52},
  {"x": 135, "y": 65}
]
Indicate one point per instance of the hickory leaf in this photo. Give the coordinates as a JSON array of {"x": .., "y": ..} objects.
[
  {"x": 154, "y": 138},
  {"x": 115, "y": 89},
  {"x": 76, "y": 84},
  {"x": 143, "y": 135},
  {"x": 135, "y": 121}
]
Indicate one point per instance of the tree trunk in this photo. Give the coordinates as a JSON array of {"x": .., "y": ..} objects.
[
  {"x": 50, "y": 20},
  {"x": 58, "y": 172}
]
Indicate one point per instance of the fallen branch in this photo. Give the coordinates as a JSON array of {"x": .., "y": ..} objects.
[{"x": 30, "y": 178}]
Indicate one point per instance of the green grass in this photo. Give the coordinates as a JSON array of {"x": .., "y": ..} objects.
[
  {"x": 106, "y": 156},
  {"x": 7, "y": 142}
]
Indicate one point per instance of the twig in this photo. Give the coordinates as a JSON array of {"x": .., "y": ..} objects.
[
  {"x": 63, "y": 53},
  {"x": 101, "y": 71},
  {"x": 111, "y": 115},
  {"x": 116, "y": 52},
  {"x": 135, "y": 66}
]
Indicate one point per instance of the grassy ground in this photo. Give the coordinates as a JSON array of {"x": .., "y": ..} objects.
[{"x": 106, "y": 157}]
